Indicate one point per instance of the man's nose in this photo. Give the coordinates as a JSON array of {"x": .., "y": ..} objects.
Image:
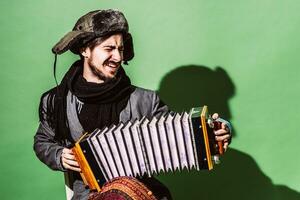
[{"x": 117, "y": 55}]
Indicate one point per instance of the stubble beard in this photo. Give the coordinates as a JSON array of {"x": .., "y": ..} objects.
[{"x": 99, "y": 73}]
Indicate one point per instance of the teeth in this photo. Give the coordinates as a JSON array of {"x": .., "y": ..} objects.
[{"x": 113, "y": 66}]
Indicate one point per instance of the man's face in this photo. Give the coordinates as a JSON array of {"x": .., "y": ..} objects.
[{"x": 104, "y": 60}]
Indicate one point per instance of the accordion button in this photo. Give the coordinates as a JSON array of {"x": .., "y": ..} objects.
[{"x": 149, "y": 193}]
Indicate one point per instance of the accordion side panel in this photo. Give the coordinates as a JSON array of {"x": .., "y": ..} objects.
[
  {"x": 87, "y": 173},
  {"x": 188, "y": 140},
  {"x": 131, "y": 149},
  {"x": 139, "y": 148},
  {"x": 115, "y": 151},
  {"x": 206, "y": 138},
  {"x": 148, "y": 145},
  {"x": 164, "y": 144},
  {"x": 123, "y": 151},
  {"x": 172, "y": 142},
  {"x": 193, "y": 138},
  {"x": 180, "y": 141},
  {"x": 200, "y": 141},
  {"x": 106, "y": 150},
  {"x": 156, "y": 145},
  {"x": 98, "y": 153}
]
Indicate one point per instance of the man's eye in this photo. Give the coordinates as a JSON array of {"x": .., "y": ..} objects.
[{"x": 108, "y": 49}]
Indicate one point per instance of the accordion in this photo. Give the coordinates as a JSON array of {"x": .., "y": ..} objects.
[{"x": 173, "y": 142}]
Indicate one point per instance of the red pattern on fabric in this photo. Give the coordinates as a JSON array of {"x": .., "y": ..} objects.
[{"x": 124, "y": 188}]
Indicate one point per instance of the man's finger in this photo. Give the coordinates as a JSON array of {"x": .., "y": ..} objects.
[
  {"x": 221, "y": 132},
  {"x": 67, "y": 151},
  {"x": 215, "y": 116},
  {"x": 225, "y": 126},
  {"x": 68, "y": 156},
  {"x": 222, "y": 137},
  {"x": 225, "y": 146},
  {"x": 66, "y": 166},
  {"x": 72, "y": 163}
]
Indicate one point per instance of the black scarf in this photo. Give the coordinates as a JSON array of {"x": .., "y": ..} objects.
[{"x": 102, "y": 102}]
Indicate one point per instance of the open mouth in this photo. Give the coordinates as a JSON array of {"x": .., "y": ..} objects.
[
  {"x": 112, "y": 67},
  {"x": 112, "y": 64}
]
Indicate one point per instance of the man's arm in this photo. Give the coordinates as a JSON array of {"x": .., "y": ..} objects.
[{"x": 47, "y": 149}]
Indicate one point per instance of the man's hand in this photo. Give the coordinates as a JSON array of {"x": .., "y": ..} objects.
[
  {"x": 223, "y": 134},
  {"x": 68, "y": 160}
]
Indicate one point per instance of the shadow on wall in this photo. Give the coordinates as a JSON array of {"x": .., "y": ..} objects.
[{"x": 238, "y": 177}]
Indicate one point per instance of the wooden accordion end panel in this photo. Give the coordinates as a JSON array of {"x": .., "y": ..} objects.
[{"x": 173, "y": 142}]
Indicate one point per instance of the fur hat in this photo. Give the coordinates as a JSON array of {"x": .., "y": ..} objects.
[{"x": 98, "y": 23}]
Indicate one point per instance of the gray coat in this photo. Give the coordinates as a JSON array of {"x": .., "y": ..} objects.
[{"x": 141, "y": 103}]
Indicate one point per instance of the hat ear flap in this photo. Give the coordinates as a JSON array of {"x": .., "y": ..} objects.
[{"x": 128, "y": 48}]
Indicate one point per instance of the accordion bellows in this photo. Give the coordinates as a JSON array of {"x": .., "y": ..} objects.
[{"x": 172, "y": 142}]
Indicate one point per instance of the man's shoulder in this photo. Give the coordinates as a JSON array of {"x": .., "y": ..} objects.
[
  {"x": 51, "y": 91},
  {"x": 48, "y": 95},
  {"x": 146, "y": 102},
  {"x": 143, "y": 91}
]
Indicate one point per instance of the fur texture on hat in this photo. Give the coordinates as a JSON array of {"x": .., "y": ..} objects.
[{"x": 95, "y": 24}]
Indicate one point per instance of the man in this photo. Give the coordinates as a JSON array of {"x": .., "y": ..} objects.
[{"x": 94, "y": 93}]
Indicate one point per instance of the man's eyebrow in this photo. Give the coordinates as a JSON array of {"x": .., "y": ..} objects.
[{"x": 113, "y": 46}]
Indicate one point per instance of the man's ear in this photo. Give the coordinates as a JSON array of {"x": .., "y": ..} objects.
[{"x": 85, "y": 52}]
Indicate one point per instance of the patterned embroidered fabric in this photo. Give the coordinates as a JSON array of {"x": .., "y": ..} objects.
[{"x": 123, "y": 188}]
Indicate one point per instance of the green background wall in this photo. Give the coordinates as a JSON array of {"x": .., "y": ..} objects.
[{"x": 239, "y": 57}]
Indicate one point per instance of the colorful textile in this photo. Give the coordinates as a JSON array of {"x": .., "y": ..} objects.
[{"x": 124, "y": 188}]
